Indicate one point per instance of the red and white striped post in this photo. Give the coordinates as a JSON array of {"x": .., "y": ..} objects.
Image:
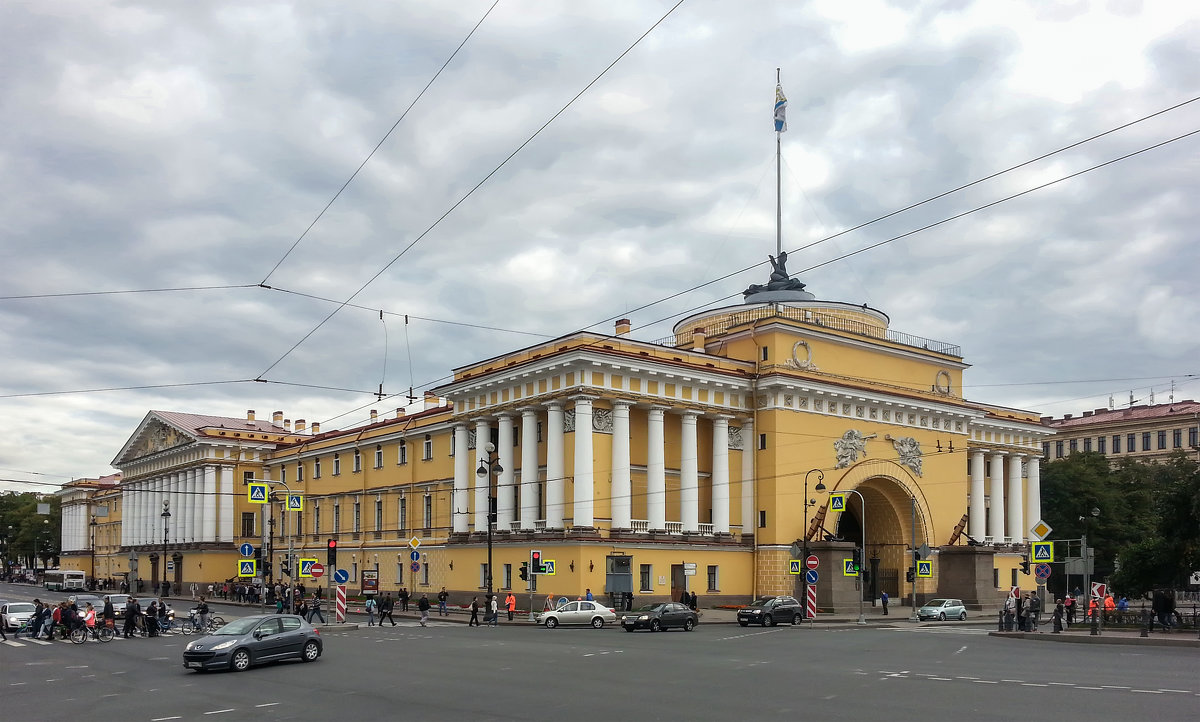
[
  {"x": 341, "y": 603},
  {"x": 812, "y": 601}
]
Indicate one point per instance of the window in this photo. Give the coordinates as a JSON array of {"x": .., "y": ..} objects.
[
  {"x": 453, "y": 443},
  {"x": 402, "y": 453},
  {"x": 316, "y": 519},
  {"x": 427, "y": 449},
  {"x": 1045, "y": 449},
  {"x": 1177, "y": 439},
  {"x": 402, "y": 515},
  {"x": 1131, "y": 443},
  {"x": 247, "y": 477},
  {"x": 400, "y": 573},
  {"x": 378, "y": 456},
  {"x": 357, "y": 461},
  {"x": 539, "y": 432},
  {"x": 354, "y": 571},
  {"x": 764, "y": 353},
  {"x": 1058, "y": 450},
  {"x": 1116, "y": 443},
  {"x": 1015, "y": 583},
  {"x": 337, "y": 517},
  {"x": 483, "y": 575},
  {"x": 762, "y": 518},
  {"x": 646, "y": 577},
  {"x": 1162, "y": 440},
  {"x": 1100, "y": 441},
  {"x": 282, "y": 474},
  {"x": 316, "y": 468},
  {"x": 1146, "y": 441},
  {"x": 428, "y": 512},
  {"x": 1074, "y": 445},
  {"x": 378, "y": 514},
  {"x": 507, "y": 576},
  {"x": 1087, "y": 444},
  {"x": 248, "y": 523},
  {"x": 1192, "y": 434},
  {"x": 299, "y": 471},
  {"x": 337, "y": 465},
  {"x": 712, "y": 579},
  {"x": 357, "y": 514},
  {"x": 425, "y": 571},
  {"x": 762, "y": 441},
  {"x": 516, "y": 436}
]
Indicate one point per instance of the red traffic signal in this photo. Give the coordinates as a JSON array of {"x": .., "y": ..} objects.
[
  {"x": 331, "y": 555},
  {"x": 333, "y": 543}
]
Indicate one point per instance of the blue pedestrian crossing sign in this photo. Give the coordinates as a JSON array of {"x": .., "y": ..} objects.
[
  {"x": 1043, "y": 551},
  {"x": 924, "y": 568},
  {"x": 548, "y": 566},
  {"x": 256, "y": 493},
  {"x": 848, "y": 568},
  {"x": 295, "y": 502},
  {"x": 247, "y": 568},
  {"x": 837, "y": 502},
  {"x": 306, "y": 566},
  {"x": 811, "y": 576},
  {"x": 246, "y": 550},
  {"x": 794, "y": 566}
]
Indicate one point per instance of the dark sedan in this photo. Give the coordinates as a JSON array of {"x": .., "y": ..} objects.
[
  {"x": 254, "y": 640},
  {"x": 769, "y": 611},
  {"x": 657, "y": 617}
]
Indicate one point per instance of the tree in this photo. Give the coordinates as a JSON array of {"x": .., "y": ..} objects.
[{"x": 1170, "y": 551}]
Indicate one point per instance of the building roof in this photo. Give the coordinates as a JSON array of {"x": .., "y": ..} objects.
[
  {"x": 195, "y": 422},
  {"x": 1185, "y": 409}
]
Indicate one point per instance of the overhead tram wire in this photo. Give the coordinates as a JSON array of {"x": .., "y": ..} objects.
[
  {"x": 128, "y": 291},
  {"x": 378, "y": 145},
  {"x": 474, "y": 188}
]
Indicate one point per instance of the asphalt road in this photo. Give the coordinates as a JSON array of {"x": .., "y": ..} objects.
[{"x": 452, "y": 672}]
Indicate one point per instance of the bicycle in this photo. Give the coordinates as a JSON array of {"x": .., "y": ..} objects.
[
  {"x": 192, "y": 624},
  {"x": 79, "y": 635}
]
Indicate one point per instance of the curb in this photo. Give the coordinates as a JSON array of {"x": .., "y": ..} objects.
[{"x": 1099, "y": 639}]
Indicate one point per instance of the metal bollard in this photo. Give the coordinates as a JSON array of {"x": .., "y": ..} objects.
[
  {"x": 1000, "y": 628},
  {"x": 1145, "y": 623}
]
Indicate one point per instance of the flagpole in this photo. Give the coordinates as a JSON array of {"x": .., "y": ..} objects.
[{"x": 778, "y": 183}]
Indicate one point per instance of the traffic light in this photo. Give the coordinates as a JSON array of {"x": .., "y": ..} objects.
[
  {"x": 524, "y": 571},
  {"x": 1025, "y": 564},
  {"x": 535, "y": 561},
  {"x": 911, "y": 575},
  {"x": 285, "y": 567},
  {"x": 266, "y": 570},
  {"x": 331, "y": 556},
  {"x": 858, "y": 556}
]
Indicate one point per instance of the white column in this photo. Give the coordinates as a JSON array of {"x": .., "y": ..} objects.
[
  {"x": 689, "y": 482},
  {"x": 720, "y": 475},
  {"x": 584, "y": 465},
  {"x": 996, "y": 505},
  {"x": 555, "y": 465},
  {"x": 483, "y": 436},
  {"x": 748, "y": 447},
  {"x": 1033, "y": 492},
  {"x": 210, "y": 504},
  {"x": 506, "y": 502},
  {"x": 139, "y": 512},
  {"x": 656, "y": 470},
  {"x": 226, "y": 521},
  {"x": 460, "y": 512},
  {"x": 622, "y": 488},
  {"x": 978, "y": 527},
  {"x": 196, "y": 500},
  {"x": 191, "y": 502},
  {"x": 1016, "y": 503},
  {"x": 529, "y": 468},
  {"x": 124, "y": 515}
]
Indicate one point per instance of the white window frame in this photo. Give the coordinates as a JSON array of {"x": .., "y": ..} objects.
[
  {"x": 427, "y": 448},
  {"x": 357, "y": 461},
  {"x": 402, "y": 453},
  {"x": 378, "y": 456}
]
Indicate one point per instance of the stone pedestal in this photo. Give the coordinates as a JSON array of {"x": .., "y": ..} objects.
[
  {"x": 835, "y": 591},
  {"x": 966, "y": 573}
]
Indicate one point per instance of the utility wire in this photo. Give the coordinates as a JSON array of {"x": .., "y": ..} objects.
[
  {"x": 474, "y": 188},
  {"x": 379, "y": 144},
  {"x": 128, "y": 290}
]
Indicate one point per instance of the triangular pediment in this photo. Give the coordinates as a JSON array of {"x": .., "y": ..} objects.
[{"x": 153, "y": 435}]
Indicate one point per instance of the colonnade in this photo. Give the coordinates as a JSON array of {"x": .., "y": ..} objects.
[
  {"x": 201, "y": 507},
  {"x": 519, "y": 511},
  {"x": 1005, "y": 523}
]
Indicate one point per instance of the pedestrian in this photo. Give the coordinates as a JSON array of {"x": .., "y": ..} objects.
[
  {"x": 193, "y": 591},
  {"x": 474, "y": 621},
  {"x": 692, "y": 602},
  {"x": 1022, "y": 608},
  {"x": 108, "y": 613},
  {"x": 1069, "y": 606},
  {"x": 684, "y": 598},
  {"x": 385, "y": 609},
  {"x": 1123, "y": 605},
  {"x": 403, "y": 595},
  {"x": 510, "y": 603},
  {"x": 314, "y": 609},
  {"x": 588, "y": 596},
  {"x": 1010, "y": 612},
  {"x": 152, "y": 619},
  {"x": 494, "y": 611},
  {"x": 883, "y": 598},
  {"x": 1058, "y": 617},
  {"x": 442, "y": 597},
  {"x": 369, "y": 608},
  {"x": 202, "y": 610},
  {"x": 423, "y": 605},
  {"x": 132, "y": 609}
]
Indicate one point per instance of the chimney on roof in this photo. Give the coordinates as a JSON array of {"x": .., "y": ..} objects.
[
  {"x": 431, "y": 400},
  {"x": 250, "y": 415},
  {"x": 699, "y": 336},
  {"x": 374, "y": 416},
  {"x": 299, "y": 426},
  {"x": 622, "y": 326},
  {"x": 1099, "y": 411},
  {"x": 1066, "y": 417},
  {"x": 287, "y": 424},
  {"x": 277, "y": 418},
  {"x": 1047, "y": 419},
  {"x": 316, "y": 427},
  {"x": 1087, "y": 413},
  {"x": 399, "y": 412}
]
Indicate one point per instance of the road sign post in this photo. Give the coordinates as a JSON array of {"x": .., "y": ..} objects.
[
  {"x": 812, "y": 601},
  {"x": 341, "y": 603}
]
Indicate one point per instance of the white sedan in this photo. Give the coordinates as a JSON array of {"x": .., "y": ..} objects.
[{"x": 581, "y": 612}]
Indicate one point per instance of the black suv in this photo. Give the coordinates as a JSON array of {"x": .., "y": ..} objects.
[{"x": 769, "y": 611}]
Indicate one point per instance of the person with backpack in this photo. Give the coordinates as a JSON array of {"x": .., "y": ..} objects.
[
  {"x": 314, "y": 609},
  {"x": 422, "y": 605},
  {"x": 385, "y": 610},
  {"x": 369, "y": 607}
]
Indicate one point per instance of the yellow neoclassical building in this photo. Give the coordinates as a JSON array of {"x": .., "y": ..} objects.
[{"x": 637, "y": 466}]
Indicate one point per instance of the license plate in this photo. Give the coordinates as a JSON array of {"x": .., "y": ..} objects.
[{"x": 194, "y": 664}]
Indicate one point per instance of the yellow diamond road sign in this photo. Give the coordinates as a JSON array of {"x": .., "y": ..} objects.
[
  {"x": 414, "y": 542},
  {"x": 1041, "y": 530}
]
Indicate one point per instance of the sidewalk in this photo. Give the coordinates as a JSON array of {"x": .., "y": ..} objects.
[{"x": 1082, "y": 635}]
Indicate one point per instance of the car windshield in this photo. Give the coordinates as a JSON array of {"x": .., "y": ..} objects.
[
  {"x": 20, "y": 608},
  {"x": 239, "y": 626},
  {"x": 935, "y": 603},
  {"x": 650, "y": 608},
  {"x": 764, "y": 601}
]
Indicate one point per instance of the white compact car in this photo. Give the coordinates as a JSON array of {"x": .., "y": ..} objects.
[
  {"x": 581, "y": 612},
  {"x": 14, "y": 614}
]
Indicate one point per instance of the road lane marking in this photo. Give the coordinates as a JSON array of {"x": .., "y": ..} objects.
[
  {"x": 942, "y": 679},
  {"x": 16, "y": 684},
  {"x": 114, "y": 694},
  {"x": 220, "y": 711},
  {"x": 1146, "y": 691},
  {"x": 1090, "y": 687},
  {"x": 42, "y": 642},
  {"x": 1063, "y": 684},
  {"x": 963, "y": 649},
  {"x": 1033, "y": 684},
  {"x": 984, "y": 681},
  {"x": 1112, "y": 686},
  {"x": 267, "y": 704},
  {"x": 78, "y": 666},
  {"x": 13, "y": 643},
  {"x": 164, "y": 719},
  {"x": 1181, "y": 691}
]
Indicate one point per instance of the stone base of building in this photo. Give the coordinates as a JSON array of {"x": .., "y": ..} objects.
[{"x": 965, "y": 572}]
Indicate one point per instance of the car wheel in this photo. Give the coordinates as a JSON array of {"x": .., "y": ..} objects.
[
  {"x": 311, "y": 651},
  {"x": 240, "y": 661},
  {"x": 796, "y": 619},
  {"x": 597, "y": 623},
  {"x": 942, "y": 617},
  {"x": 962, "y": 617},
  {"x": 743, "y": 623},
  {"x": 655, "y": 625},
  {"x": 551, "y": 623},
  {"x": 689, "y": 625},
  {"x": 768, "y": 621}
]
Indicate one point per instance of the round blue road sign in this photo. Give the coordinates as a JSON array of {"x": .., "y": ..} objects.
[
  {"x": 414, "y": 555},
  {"x": 246, "y": 550},
  {"x": 415, "y": 566},
  {"x": 811, "y": 576},
  {"x": 340, "y": 576},
  {"x": 1042, "y": 571}
]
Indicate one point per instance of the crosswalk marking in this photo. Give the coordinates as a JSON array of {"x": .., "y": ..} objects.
[{"x": 13, "y": 643}]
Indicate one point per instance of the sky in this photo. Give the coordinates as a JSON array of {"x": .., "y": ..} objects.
[{"x": 184, "y": 150}]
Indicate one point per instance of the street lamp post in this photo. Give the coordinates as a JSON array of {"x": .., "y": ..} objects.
[
  {"x": 489, "y": 468},
  {"x": 861, "y": 617},
  {"x": 807, "y": 503},
  {"x": 291, "y": 561},
  {"x": 166, "y": 517},
  {"x": 1098, "y": 617},
  {"x": 92, "y": 524}
]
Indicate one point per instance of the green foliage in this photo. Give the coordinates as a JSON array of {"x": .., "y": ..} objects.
[{"x": 21, "y": 526}]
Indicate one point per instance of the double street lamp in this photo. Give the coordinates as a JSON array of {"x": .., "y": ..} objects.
[
  {"x": 166, "y": 517},
  {"x": 92, "y": 524},
  {"x": 489, "y": 468}
]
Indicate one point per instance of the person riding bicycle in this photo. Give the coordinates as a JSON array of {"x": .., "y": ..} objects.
[
  {"x": 163, "y": 615},
  {"x": 202, "y": 610},
  {"x": 89, "y": 620}
]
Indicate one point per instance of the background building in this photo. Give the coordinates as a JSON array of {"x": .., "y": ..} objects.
[{"x": 1147, "y": 433}]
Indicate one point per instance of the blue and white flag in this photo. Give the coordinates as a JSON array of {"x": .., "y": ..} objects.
[{"x": 780, "y": 110}]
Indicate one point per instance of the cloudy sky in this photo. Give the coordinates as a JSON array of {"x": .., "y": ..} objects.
[{"x": 188, "y": 145}]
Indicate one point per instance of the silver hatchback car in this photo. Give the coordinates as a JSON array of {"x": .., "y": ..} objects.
[
  {"x": 579, "y": 612},
  {"x": 942, "y": 609},
  {"x": 254, "y": 640}
]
